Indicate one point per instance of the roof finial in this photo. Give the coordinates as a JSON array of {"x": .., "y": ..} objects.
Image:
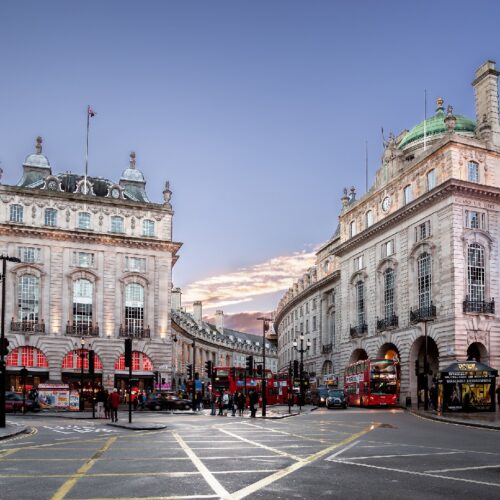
[
  {"x": 132, "y": 159},
  {"x": 38, "y": 146},
  {"x": 439, "y": 102}
]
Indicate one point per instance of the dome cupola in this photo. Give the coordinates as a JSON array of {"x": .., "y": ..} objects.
[
  {"x": 37, "y": 159},
  {"x": 132, "y": 173}
]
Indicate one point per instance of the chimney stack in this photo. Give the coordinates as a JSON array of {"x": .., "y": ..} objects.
[
  {"x": 197, "y": 312},
  {"x": 219, "y": 321},
  {"x": 176, "y": 299}
]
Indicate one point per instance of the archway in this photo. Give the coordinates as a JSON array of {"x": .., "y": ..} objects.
[
  {"x": 358, "y": 355},
  {"x": 388, "y": 351},
  {"x": 142, "y": 369},
  {"x": 327, "y": 368},
  {"x": 416, "y": 366},
  {"x": 34, "y": 360},
  {"x": 478, "y": 352}
]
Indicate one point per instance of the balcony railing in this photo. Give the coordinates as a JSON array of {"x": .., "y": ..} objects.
[
  {"x": 387, "y": 323},
  {"x": 357, "y": 331},
  {"x": 27, "y": 326},
  {"x": 479, "y": 306},
  {"x": 82, "y": 330},
  {"x": 135, "y": 332},
  {"x": 426, "y": 313},
  {"x": 326, "y": 349}
]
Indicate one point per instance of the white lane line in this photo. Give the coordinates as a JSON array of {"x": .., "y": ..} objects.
[
  {"x": 434, "y": 448},
  {"x": 349, "y": 446},
  {"x": 478, "y": 467},
  {"x": 259, "y": 471},
  {"x": 415, "y": 473},
  {"x": 408, "y": 455},
  {"x": 306, "y": 438},
  {"x": 207, "y": 475}
]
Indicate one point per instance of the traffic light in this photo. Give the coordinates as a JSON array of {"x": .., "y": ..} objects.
[
  {"x": 91, "y": 361},
  {"x": 208, "y": 368},
  {"x": 295, "y": 369},
  {"x": 259, "y": 370},
  {"x": 233, "y": 371},
  {"x": 128, "y": 353},
  {"x": 4, "y": 347},
  {"x": 290, "y": 370},
  {"x": 266, "y": 326},
  {"x": 189, "y": 369},
  {"x": 196, "y": 376},
  {"x": 249, "y": 366},
  {"x": 416, "y": 367}
]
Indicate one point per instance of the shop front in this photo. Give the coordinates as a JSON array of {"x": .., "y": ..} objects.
[
  {"x": 143, "y": 376},
  {"x": 34, "y": 360},
  {"x": 466, "y": 387}
]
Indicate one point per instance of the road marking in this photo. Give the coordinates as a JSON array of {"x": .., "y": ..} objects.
[
  {"x": 464, "y": 468},
  {"x": 7, "y": 453},
  {"x": 416, "y": 473},
  {"x": 182, "y": 497},
  {"x": 349, "y": 446},
  {"x": 289, "y": 434},
  {"x": 407, "y": 455},
  {"x": 266, "y": 481},
  {"x": 70, "y": 483},
  {"x": 207, "y": 475},
  {"x": 254, "y": 443}
]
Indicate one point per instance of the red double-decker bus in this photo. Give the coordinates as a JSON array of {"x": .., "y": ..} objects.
[{"x": 372, "y": 382}]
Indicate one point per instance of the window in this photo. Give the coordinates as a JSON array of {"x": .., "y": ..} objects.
[
  {"x": 431, "y": 179},
  {"x": 314, "y": 304},
  {"x": 424, "y": 278},
  {"x": 326, "y": 266},
  {"x": 296, "y": 314},
  {"x": 358, "y": 263},
  {"x": 83, "y": 259},
  {"x": 388, "y": 248},
  {"x": 51, "y": 217},
  {"x": 407, "y": 195},
  {"x": 301, "y": 311},
  {"x": 369, "y": 218},
  {"x": 82, "y": 303},
  {"x": 475, "y": 273},
  {"x": 29, "y": 255},
  {"x": 360, "y": 302},
  {"x": 307, "y": 307},
  {"x": 28, "y": 290},
  {"x": 148, "y": 227},
  {"x": 307, "y": 326},
  {"x": 314, "y": 323},
  {"x": 314, "y": 347},
  {"x": 352, "y": 228},
  {"x": 423, "y": 231},
  {"x": 135, "y": 264},
  {"x": 134, "y": 308},
  {"x": 475, "y": 220},
  {"x": 16, "y": 213},
  {"x": 117, "y": 224},
  {"x": 388, "y": 293},
  {"x": 84, "y": 220},
  {"x": 473, "y": 172}
]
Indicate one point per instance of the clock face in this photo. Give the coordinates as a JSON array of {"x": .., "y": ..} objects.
[
  {"x": 52, "y": 186},
  {"x": 386, "y": 203},
  {"x": 115, "y": 193}
]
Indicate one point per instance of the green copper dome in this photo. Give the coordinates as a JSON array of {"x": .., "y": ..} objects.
[{"x": 435, "y": 126}]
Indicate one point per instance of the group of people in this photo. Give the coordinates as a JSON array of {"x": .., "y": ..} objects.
[
  {"x": 236, "y": 402},
  {"x": 107, "y": 404}
]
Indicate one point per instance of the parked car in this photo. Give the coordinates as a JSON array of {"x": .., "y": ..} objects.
[
  {"x": 336, "y": 399},
  {"x": 318, "y": 396},
  {"x": 167, "y": 401},
  {"x": 14, "y": 403}
]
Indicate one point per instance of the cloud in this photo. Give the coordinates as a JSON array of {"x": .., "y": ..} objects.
[
  {"x": 244, "y": 285},
  {"x": 243, "y": 322}
]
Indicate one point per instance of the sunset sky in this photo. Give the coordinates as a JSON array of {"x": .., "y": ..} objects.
[{"x": 257, "y": 112}]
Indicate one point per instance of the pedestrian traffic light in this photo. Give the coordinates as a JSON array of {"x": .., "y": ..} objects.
[
  {"x": 259, "y": 370},
  {"x": 416, "y": 367},
  {"x": 249, "y": 366},
  {"x": 189, "y": 369},
  {"x": 233, "y": 372},
  {"x": 91, "y": 361},
  {"x": 208, "y": 368},
  {"x": 295, "y": 369},
  {"x": 4, "y": 346},
  {"x": 128, "y": 353}
]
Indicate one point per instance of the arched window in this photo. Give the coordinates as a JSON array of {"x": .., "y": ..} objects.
[
  {"x": 388, "y": 293},
  {"x": 407, "y": 194},
  {"x": 424, "y": 277},
  {"x": 140, "y": 362},
  {"x": 360, "y": 303},
  {"x": 73, "y": 360},
  {"x": 134, "y": 308},
  {"x": 369, "y": 218},
  {"x": 27, "y": 356},
  {"x": 473, "y": 172},
  {"x": 28, "y": 293},
  {"x": 431, "y": 179},
  {"x": 83, "y": 291},
  {"x": 475, "y": 273},
  {"x": 352, "y": 228}
]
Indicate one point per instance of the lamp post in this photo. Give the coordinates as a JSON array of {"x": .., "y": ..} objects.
[
  {"x": 265, "y": 329},
  {"x": 82, "y": 357},
  {"x": 24, "y": 374},
  {"x": 301, "y": 351},
  {"x": 3, "y": 368}
]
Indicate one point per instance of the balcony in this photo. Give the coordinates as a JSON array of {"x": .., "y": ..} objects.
[
  {"x": 479, "y": 306},
  {"x": 387, "y": 323},
  {"x": 326, "y": 349},
  {"x": 27, "y": 326},
  {"x": 82, "y": 330},
  {"x": 357, "y": 331},
  {"x": 135, "y": 332},
  {"x": 426, "y": 313}
]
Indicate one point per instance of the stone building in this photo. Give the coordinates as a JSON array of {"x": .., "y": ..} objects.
[
  {"x": 416, "y": 256},
  {"x": 96, "y": 267}
]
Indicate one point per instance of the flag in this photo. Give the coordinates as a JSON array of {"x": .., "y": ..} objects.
[{"x": 90, "y": 111}]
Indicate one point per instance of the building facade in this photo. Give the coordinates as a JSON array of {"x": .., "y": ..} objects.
[
  {"x": 96, "y": 267},
  {"x": 416, "y": 258}
]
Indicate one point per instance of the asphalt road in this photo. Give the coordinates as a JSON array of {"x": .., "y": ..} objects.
[{"x": 325, "y": 454}]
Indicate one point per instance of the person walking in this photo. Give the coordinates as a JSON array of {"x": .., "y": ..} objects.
[
  {"x": 100, "y": 398},
  {"x": 498, "y": 396},
  {"x": 220, "y": 404},
  {"x": 114, "y": 403},
  {"x": 254, "y": 399},
  {"x": 213, "y": 402},
  {"x": 106, "y": 405},
  {"x": 232, "y": 403},
  {"x": 240, "y": 402}
]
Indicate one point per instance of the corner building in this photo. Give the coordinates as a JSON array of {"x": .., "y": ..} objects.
[
  {"x": 416, "y": 255},
  {"x": 96, "y": 267}
]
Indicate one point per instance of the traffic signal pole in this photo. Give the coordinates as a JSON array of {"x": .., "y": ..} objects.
[{"x": 265, "y": 328}]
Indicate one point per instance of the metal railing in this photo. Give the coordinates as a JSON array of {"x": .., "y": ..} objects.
[
  {"x": 426, "y": 313},
  {"x": 83, "y": 330},
  {"x": 27, "y": 326},
  {"x": 357, "y": 331},
  {"x": 135, "y": 332},
  {"x": 478, "y": 306},
  {"x": 326, "y": 349},
  {"x": 387, "y": 323}
]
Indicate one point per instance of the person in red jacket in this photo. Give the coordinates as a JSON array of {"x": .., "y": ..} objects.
[{"x": 114, "y": 402}]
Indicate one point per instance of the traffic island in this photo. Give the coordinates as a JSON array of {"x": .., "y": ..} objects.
[
  {"x": 137, "y": 426},
  {"x": 13, "y": 430}
]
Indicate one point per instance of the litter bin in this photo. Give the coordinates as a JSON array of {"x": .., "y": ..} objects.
[{"x": 408, "y": 401}]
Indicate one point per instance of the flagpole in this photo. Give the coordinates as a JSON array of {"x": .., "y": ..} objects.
[
  {"x": 366, "y": 165},
  {"x": 425, "y": 119},
  {"x": 87, "y": 150}
]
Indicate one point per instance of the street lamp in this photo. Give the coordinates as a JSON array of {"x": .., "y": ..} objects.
[
  {"x": 265, "y": 329},
  {"x": 82, "y": 357},
  {"x": 3, "y": 368},
  {"x": 301, "y": 351}
]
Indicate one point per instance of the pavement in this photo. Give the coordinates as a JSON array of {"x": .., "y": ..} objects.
[{"x": 11, "y": 430}]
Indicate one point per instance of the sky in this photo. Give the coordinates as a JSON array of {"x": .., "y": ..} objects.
[{"x": 257, "y": 112}]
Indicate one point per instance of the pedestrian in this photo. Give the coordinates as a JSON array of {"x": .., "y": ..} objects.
[
  {"x": 106, "y": 405},
  {"x": 498, "y": 396},
  {"x": 140, "y": 401},
  {"x": 225, "y": 403},
  {"x": 220, "y": 404},
  {"x": 233, "y": 405},
  {"x": 433, "y": 396},
  {"x": 100, "y": 398},
  {"x": 240, "y": 402},
  {"x": 254, "y": 399},
  {"x": 114, "y": 403},
  {"x": 213, "y": 402}
]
